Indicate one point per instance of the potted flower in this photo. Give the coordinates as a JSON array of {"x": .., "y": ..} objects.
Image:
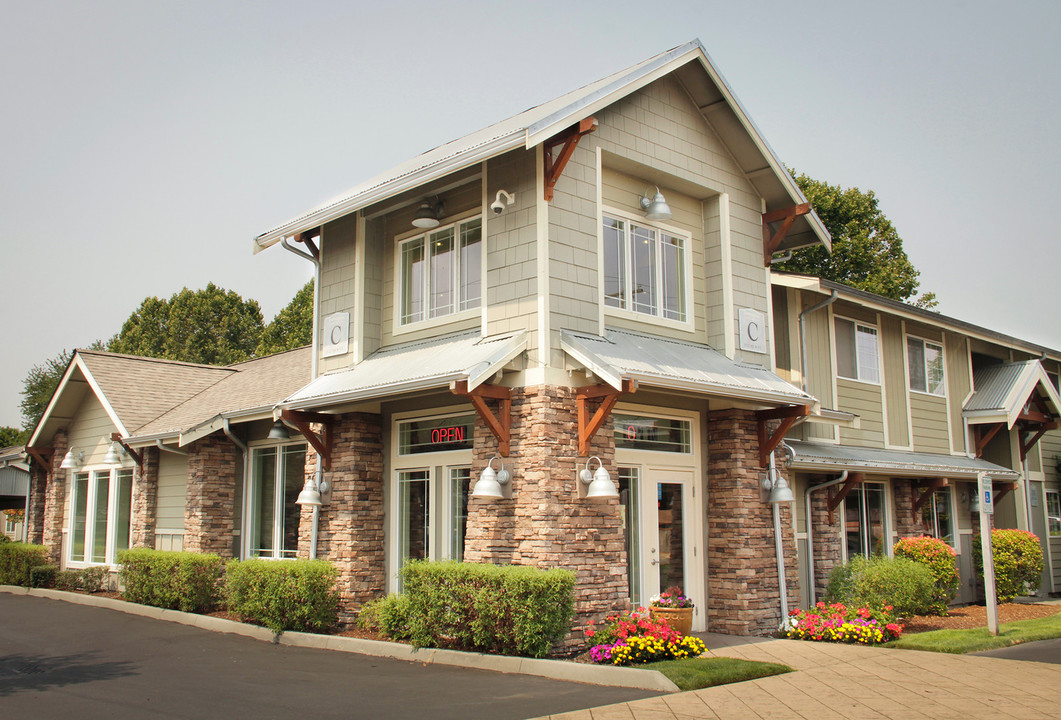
[{"x": 674, "y": 607}]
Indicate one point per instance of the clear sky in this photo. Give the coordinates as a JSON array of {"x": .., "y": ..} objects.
[{"x": 144, "y": 144}]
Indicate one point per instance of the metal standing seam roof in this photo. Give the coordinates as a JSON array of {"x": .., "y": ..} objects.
[
  {"x": 837, "y": 458},
  {"x": 676, "y": 364},
  {"x": 411, "y": 367},
  {"x": 1003, "y": 390}
]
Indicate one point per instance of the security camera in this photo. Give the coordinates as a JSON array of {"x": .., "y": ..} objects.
[{"x": 498, "y": 206}]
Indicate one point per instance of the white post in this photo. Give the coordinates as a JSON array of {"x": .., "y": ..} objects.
[{"x": 987, "y": 510}]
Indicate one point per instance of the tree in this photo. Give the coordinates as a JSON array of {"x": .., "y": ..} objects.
[
  {"x": 212, "y": 326},
  {"x": 292, "y": 327},
  {"x": 867, "y": 250},
  {"x": 12, "y": 436},
  {"x": 39, "y": 385}
]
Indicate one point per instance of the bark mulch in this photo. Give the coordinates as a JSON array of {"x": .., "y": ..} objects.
[{"x": 974, "y": 616}]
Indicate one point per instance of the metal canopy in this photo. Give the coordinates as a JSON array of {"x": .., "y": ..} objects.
[{"x": 826, "y": 457}]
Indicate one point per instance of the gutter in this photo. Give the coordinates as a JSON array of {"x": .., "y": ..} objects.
[
  {"x": 803, "y": 336},
  {"x": 315, "y": 351},
  {"x": 175, "y": 451}
]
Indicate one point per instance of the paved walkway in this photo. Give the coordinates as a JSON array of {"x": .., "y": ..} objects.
[{"x": 844, "y": 681}]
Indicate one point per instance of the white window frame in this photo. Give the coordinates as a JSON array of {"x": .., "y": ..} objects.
[
  {"x": 628, "y": 311},
  {"x": 250, "y": 493},
  {"x": 471, "y": 309},
  {"x": 1053, "y": 527},
  {"x": 931, "y": 501},
  {"x": 886, "y": 508},
  {"x": 924, "y": 357},
  {"x": 859, "y": 326},
  {"x": 110, "y": 552}
]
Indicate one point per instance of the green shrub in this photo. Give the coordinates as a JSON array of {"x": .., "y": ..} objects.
[
  {"x": 68, "y": 580},
  {"x": 939, "y": 558},
  {"x": 490, "y": 608},
  {"x": 17, "y": 560},
  {"x": 879, "y": 582},
  {"x": 1018, "y": 562},
  {"x": 43, "y": 576},
  {"x": 92, "y": 578},
  {"x": 292, "y": 595},
  {"x": 388, "y": 615},
  {"x": 174, "y": 580},
  {"x": 5, "y": 539}
]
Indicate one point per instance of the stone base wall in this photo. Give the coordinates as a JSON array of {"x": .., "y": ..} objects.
[
  {"x": 145, "y": 500},
  {"x": 38, "y": 494},
  {"x": 828, "y": 540},
  {"x": 907, "y": 522},
  {"x": 209, "y": 509},
  {"x": 742, "y": 579},
  {"x": 55, "y": 500}
]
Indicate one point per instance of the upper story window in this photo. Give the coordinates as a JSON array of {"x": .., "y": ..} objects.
[
  {"x": 645, "y": 269},
  {"x": 857, "y": 351},
  {"x": 441, "y": 271},
  {"x": 438, "y": 434},
  {"x": 926, "y": 366},
  {"x": 101, "y": 515},
  {"x": 1053, "y": 512}
]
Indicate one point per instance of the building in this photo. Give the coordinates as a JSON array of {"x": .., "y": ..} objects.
[{"x": 14, "y": 490}]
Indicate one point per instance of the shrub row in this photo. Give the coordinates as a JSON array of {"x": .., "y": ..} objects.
[
  {"x": 1018, "y": 562},
  {"x": 878, "y": 582},
  {"x": 173, "y": 580},
  {"x": 939, "y": 558},
  {"x": 17, "y": 560}
]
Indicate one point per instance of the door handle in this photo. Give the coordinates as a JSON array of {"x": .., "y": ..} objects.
[{"x": 655, "y": 562}]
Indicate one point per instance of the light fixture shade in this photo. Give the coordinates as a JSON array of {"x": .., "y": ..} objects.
[
  {"x": 70, "y": 461},
  {"x": 112, "y": 457},
  {"x": 488, "y": 486},
  {"x": 601, "y": 486},
  {"x": 309, "y": 495},
  {"x": 279, "y": 431},
  {"x": 426, "y": 216},
  {"x": 781, "y": 492},
  {"x": 656, "y": 208}
]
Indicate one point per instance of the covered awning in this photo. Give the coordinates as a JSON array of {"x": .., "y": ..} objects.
[
  {"x": 829, "y": 458},
  {"x": 1012, "y": 394},
  {"x": 412, "y": 367}
]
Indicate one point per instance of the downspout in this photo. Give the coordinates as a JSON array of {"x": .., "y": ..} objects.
[
  {"x": 316, "y": 298},
  {"x": 810, "y": 529},
  {"x": 779, "y": 550},
  {"x": 246, "y": 466},
  {"x": 803, "y": 336},
  {"x": 317, "y": 474},
  {"x": 175, "y": 451}
]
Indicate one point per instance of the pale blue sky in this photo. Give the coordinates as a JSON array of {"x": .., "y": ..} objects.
[{"x": 144, "y": 144}]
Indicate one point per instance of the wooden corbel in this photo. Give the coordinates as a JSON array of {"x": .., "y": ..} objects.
[
  {"x": 322, "y": 442},
  {"x": 569, "y": 139},
  {"x": 306, "y": 238},
  {"x": 43, "y": 456},
  {"x": 786, "y": 216},
  {"x": 930, "y": 486},
  {"x": 500, "y": 424},
  {"x": 1037, "y": 430},
  {"x": 138, "y": 457},
  {"x": 984, "y": 435},
  {"x": 837, "y": 498},
  {"x": 768, "y": 442},
  {"x": 1001, "y": 490},
  {"x": 608, "y": 396}
]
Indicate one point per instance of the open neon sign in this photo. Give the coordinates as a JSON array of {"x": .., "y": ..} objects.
[{"x": 448, "y": 434}]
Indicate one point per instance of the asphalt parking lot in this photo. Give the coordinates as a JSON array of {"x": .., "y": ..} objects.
[{"x": 61, "y": 660}]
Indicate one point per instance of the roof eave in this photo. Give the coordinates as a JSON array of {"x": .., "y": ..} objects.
[
  {"x": 373, "y": 393},
  {"x": 910, "y": 471}
]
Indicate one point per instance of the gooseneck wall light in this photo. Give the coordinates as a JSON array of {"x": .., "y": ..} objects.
[
  {"x": 656, "y": 208},
  {"x": 72, "y": 461},
  {"x": 491, "y": 481},
  {"x": 113, "y": 457},
  {"x": 599, "y": 482}
]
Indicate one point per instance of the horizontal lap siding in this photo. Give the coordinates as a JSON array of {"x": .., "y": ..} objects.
[
  {"x": 337, "y": 290},
  {"x": 930, "y": 423},
  {"x": 90, "y": 433},
  {"x": 172, "y": 489},
  {"x": 819, "y": 364},
  {"x": 893, "y": 353},
  {"x": 864, "y": 400},
  {"x": 959, "y": 383}
]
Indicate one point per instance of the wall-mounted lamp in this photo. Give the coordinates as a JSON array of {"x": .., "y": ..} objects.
[
  {"x": 599, "y": 483},
  {"x": 71, "y": 461},
  {"x": 428, "y": 214},
  {"x": 777, "y": 486},
  {"x": 656, "y": 208},
  {"x": 498, "y": 206},
  {"x": 113, "y": 457},
  {"x": 491, "y": 481},
  {"x": 279, "y": 431},
  {"x": 310, "y": 494}
]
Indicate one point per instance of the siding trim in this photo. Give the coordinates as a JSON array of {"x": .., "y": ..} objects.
[
  {"x": 599, "y": 197},
  {"x": 728, "y": 314},
  {"x": 542, "y": 229}
]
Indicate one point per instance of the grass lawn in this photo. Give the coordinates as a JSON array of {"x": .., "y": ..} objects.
[
  {"x": 696, "y": 673},
  {"x": 965, "y": 641}
]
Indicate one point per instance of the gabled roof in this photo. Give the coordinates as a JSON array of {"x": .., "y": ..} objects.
[
  {"x": 527, "y": 129},
  {"x": 827, "y": 457},
  {"x": 1002, "y": 391}
]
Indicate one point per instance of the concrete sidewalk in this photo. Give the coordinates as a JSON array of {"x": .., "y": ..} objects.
[{"x": 844, "y": 681}]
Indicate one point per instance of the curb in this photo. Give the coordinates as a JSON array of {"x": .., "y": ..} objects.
[{"x": 636, "y": 678}]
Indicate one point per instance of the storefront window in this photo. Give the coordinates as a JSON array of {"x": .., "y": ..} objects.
[
  {"x": 635, "y": 432},
  {"x": 101, "y": 514},
  {"x": 630, "y": 503},
  {"x": 278, "y": 474},
  {"x": 865, "y": 521},
  {"x": 936, "y": 517}
]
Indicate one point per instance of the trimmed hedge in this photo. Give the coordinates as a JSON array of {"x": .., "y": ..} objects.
[
  {"x": 17, "y": 560},
  {"x": 174, "y": 580},
  {"x": 1018, "y": 562},
  {"x": 504, "y": 609},
  {"x": 939, "y": 558},
  {"x": 388, "y": 615},
  {"x": 899, "y": 586},
  {"x": 289, "y": 595},
  {"x": 43, "y": 576}
]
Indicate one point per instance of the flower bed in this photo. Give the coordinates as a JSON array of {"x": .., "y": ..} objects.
[
  {"x": 839, "y": 623},
  {"x": 635, "y": 638}
]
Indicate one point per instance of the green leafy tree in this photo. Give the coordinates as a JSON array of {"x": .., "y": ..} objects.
[
  {"x": 867, "y": 250},
  {"x": 212, "y": 326},
  {"x": 292, "y": 327},
  {"x": 39, "y": 384},
  {"x": 12, "y": 436}
]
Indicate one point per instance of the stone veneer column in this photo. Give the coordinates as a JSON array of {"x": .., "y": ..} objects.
[
  {"x": 545, "y": 524},
  {"x": 38, "y": 493},
  {"x": 55, "y": 499},
  {"x": 828, "y": 539},
  {"x": 742, "y": 582},
  {"x": 907, "y": 522},
  {"x": 209, "y": 507},
  {"x": 145, "y": 500}
]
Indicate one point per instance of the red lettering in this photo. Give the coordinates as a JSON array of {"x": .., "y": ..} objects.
[
  {"x": 631, "y": 432},
  {"x": 448, "y": 435}
]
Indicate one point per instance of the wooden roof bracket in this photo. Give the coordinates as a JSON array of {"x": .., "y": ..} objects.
[
  {"x": 306, "y": 238},
  {"x": 788, "y": 416},
  {"x": 786, "y": 216},
  {"x": 930, "y": 486},
  {"x": 1001, "y": 490},
  {"x": 321, "y": 442},
  {"x": 43, "y": 456},
  {"x": 608, "y": 396},
  {"x": 1037, "y": 430},
  {"x": 500, "y": 425},
  {"x": 984, "y": 437},
  {"x": 837, "y": 498},
  {"x": 138, "y": 457},
  {"x": 569, "y": 139}
]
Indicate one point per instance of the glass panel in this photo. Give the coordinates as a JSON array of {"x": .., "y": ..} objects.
[
  {"x": 413, "y": 514},
  {"x": 440, "y": 284},
  {"x": 99, "y": 521},
  {"x": 853, "y": 531},
  {"x": 673, "y": 277},
  {"x": 413, "y": 281},
  {"x": 471, "y": 268},
  {"x": 875, "y": 520},
  {"x": 944, "y": 522},
  {"x": 934, "y": 368},
  {"x": 80, "y": 516},
  {"x": 647, "y": 433},
  {"x": 436, "y": 435},
  {"x": 123, "y": 512},
  {"x": 644, "y": 266},
  {"x": 1053, "y": 511},
  {"x": 671, "y": 536},
  {"x": 630, "y": 502},
  {"x": 294, "y": 478},
  {"x": 915, "y": 355},
  {"x": 614, "y": 263},
  {"x": 263, "y": 502},
  {"x": 868, "y": 368},
  {"x": 845, "y": 349},
  {"x": 459, "y": 483}
]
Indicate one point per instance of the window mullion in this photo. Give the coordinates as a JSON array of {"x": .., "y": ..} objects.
[{"x": 278, "y": 504}]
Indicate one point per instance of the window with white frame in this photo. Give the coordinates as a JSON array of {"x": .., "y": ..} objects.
[
  {"x": 101, "y": 514},
  {"x": 926, "y": 366},
  {"x": 857, "y": 351},
  {"x": 278, "y": 473},
  {"x": 645, "y": 269},
  {"x": 937, "y": 519},
  {"x": 441, "y": 272},
  {"x": 1053, "y": 512},
  {"x": 866, "y": 521}
]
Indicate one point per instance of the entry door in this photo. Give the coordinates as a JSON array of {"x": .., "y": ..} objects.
[{"x": 670, "y": 522}]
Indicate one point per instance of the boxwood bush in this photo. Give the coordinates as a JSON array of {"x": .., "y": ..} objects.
[
  {"x": 939, "y": 558},
  {"x": 503, "y": 609},
  {"x": 1018, "y": 562},
  {"x": 17, "y": 560},
  {"x": 173, "y": 580},
  {"x": 289, "y": 595},
  {"x": 879, "y": 582}
]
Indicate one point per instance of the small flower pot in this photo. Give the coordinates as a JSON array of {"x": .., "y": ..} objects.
[{"x": 680, "y": 619}]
